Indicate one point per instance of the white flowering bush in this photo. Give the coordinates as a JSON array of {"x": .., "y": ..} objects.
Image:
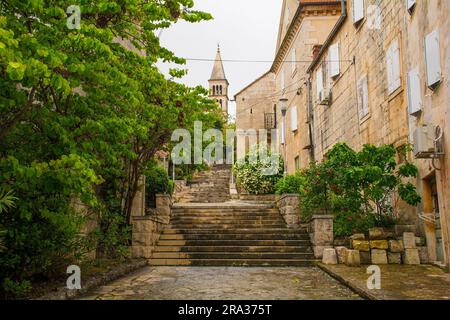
[{"x": 259, "y": 171}]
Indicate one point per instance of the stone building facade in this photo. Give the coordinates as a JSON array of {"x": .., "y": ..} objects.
[{"x": 379, "y": 74}]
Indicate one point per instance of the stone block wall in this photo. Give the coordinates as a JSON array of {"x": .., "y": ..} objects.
[
  {"x": 146, "y": 232},
  {"x": 288, "y": 204}
]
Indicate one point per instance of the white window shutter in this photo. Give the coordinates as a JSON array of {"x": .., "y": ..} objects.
[
  {"x": 410, "y": 4},
  {"x": 294, "y": 119},
  {"x": 319, "y": 80},
  {"x": 358, "y": 10},
  {"x": 333, "y": 55},
  {"x": 433, "y": 58},
  {"x": 414, "y": 92},
  {"x": 363, "y": 97},
  {"x": 393, "y": 67}
]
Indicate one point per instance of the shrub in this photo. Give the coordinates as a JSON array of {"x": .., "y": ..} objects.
[
  {"x": 157, "y": 181},
  {"x": 43, "y": 231},
  {"x": 290, "y": 184},
  {"x": 258, "y": 175},
  {"x": 358, "y": 187}
]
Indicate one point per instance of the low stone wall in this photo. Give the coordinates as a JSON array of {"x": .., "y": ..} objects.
[
  {"x": 146, "y": 233},
  {"x": 288, "y": 204},
  {"x": 380, "y": 247},
  {"x": 321, "y": 233},
  {"x": 147, "y": 229}
]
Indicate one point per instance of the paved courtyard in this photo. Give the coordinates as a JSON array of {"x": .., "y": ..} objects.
[{"x": 226, "y": 283}]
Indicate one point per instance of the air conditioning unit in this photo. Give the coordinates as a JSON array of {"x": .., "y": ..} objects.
[
  {"x": 325, "y": 97},
  {"x": 424, "y": 142}
]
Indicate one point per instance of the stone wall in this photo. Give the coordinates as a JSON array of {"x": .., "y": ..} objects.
[
  {"x": 147, "y": 229},
  {"x": 288, "y": 204}
]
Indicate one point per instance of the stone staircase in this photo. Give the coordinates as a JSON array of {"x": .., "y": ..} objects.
[
  {"x": 206, "y": 232},
  {"x": 207, "y": 186}
]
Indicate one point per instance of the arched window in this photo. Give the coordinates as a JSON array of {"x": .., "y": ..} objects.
[{"x": 220, "y": 89}]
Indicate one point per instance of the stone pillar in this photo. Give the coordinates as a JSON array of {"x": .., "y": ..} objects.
[
  {"x": 138, "y": 205},
  {"x": 163, "y": 207},
  {"x": 288, "y": 204},
  {"x": 321, "y": 233}
]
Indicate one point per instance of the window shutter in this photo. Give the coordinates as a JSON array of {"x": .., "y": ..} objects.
[
  {"x": 414, "y": 92},
  {"x": 410, "y": 4},
  {"x": 363, "y": 97},
  {"x": 319, "y": 81},
  {"x": 282, "y": 81},
  {"x": 294, "y": 119},
  {"x": 334, "y": 60},
  {"x": 433, "y": 59},
  {"x": 358, "y": 10},
  {"x": 393, "y": 67}
]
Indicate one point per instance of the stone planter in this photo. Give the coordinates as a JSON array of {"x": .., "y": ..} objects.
[
  {"x": 321, "y": 233},
  {"x": 288, "y": 204}
]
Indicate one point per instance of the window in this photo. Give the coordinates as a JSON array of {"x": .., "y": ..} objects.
[
  {"x": 358, "y": 10},
  {"x": 433, "y": 59},
  {"x": 410, "y": 5},
  {"x": 221, "y": 90},
  {"x": 333, "y": 57},
  {"x": 294, "y": 59},
  {"x": 414, "y": 92},
  {"x": 393, "y": 67},
  {"x": 294, "y": 119},
  {"x": 297, "y": 163},
  {"x": 363, "y": 97}
]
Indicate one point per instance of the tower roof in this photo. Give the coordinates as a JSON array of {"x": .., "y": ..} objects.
[{"x": 218, "y": 72}]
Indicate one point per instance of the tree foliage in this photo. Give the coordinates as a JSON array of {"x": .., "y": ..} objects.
[{"x": 82, "y": 113}]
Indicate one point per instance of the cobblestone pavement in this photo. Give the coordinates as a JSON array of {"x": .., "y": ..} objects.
[
  {"x": 398, "y": 282},
  {"x": 226, "y": 283}
]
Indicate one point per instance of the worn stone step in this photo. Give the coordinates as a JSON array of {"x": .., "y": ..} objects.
[
  {"x": 232, "y": 255},
  {"x": 169, "y": 242},
  {"x": 195, "y": 222},
  {"x": 304, "y": 248},
  {"x": 233, "y": 236},
  {"x": 233, "y": 231},
  {"x": 233, "y": 262},
  {"x": 230, "y": 226}
]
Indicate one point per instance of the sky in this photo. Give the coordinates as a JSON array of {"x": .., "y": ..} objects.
[{"x": 245, "y": 30}]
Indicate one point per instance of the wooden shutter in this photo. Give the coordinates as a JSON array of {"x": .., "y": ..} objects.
[
  {"x": 414, "y": 92},
  {"x": 393, "y": 67},
  {"x": 333, "y": 57},
  {"x": 358, "y": 10},
  {"x": 294, "y": 118},
  {"x": 319, "y": 81},
  {"x": 433, "y": 59},
  {"x": 363, "y": 97}
]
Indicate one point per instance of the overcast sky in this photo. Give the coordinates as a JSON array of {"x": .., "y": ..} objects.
[{"x": 245, "y": 29}]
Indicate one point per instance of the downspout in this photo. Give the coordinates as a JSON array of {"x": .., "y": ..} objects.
[{"x": 325, "y": 45}]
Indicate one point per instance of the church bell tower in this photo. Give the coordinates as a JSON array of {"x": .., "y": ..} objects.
[{"x": 218, "y": 84}]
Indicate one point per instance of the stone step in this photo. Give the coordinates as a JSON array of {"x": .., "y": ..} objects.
[
  {"x": 194, "y": 221},
  {"x": 305, "y": 248},
  {"x": 231, "y": 231},
  {"x": 234, "y": 236},
  {"x": 234, "y": 262},
  {"x": 232, "y": 255},
  {"x": 230, "y": 226},
  {"x": 233, "y": 243}
]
